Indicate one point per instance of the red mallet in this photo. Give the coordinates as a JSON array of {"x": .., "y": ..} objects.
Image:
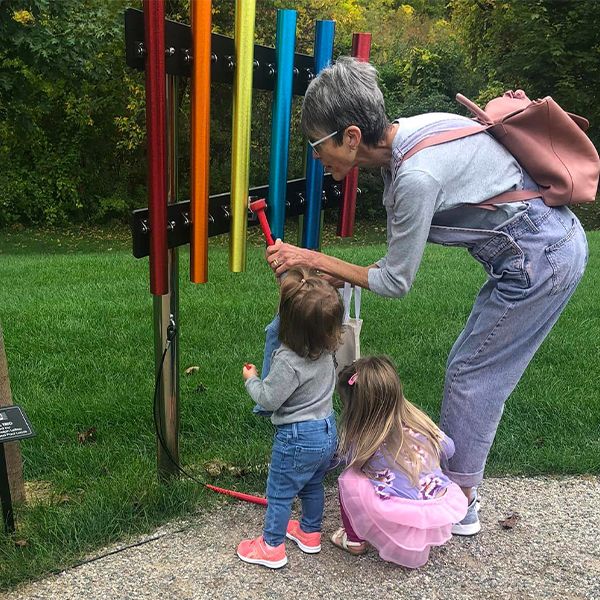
[
  {"x": 258, "y": 208},
  {"x": 238, "y": 495}
]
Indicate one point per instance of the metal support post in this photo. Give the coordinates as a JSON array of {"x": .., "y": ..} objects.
[{"x": 166, "y": 316}]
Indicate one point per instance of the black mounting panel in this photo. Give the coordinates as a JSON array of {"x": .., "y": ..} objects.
[
  {"x": 178, "y": 55},
  {"x": 178, "y": 214}
]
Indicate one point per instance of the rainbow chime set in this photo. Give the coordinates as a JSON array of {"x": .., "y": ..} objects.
[
  {"x": 163, "y": 47},
  {"x": 168, "y": 51}
]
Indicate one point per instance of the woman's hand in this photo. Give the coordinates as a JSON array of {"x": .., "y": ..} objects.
[
  {"x": 282, "y": 257},
  {"x": 249, "y": 370}
]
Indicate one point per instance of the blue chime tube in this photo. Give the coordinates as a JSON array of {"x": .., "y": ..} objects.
[
  {"x": 285, "y": 42},
  {"x": 324, "y": 34}
]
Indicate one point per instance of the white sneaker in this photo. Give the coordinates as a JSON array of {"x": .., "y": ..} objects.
[{"x": 470, "y": 525}]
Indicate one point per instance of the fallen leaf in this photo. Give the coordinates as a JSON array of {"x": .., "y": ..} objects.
[
  {"x": 237, "y": 471},
  {"x": 191, "y": 370},
  {"x": 83, "y": 437},
  {"x": 21, "y": 543},
  {"x": 215, "y": 467},
  {"x": 510, "y": 521}
]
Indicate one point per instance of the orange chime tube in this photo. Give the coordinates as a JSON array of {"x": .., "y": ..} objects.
[
  {"x": 200, "y": 123},
  {"x": 361, "y": 49}
]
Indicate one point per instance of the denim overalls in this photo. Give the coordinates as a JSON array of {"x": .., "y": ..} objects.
[{"x": 534, "y": 263}]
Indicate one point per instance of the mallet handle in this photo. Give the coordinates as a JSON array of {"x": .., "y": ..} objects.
[
  {"x": 264, "y": 225},
  {"x": 258, "y": 208},
  {"x": 238, "y": 495}
]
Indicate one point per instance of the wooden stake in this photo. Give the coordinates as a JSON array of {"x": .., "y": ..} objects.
[{"x": 14, "y": 462}]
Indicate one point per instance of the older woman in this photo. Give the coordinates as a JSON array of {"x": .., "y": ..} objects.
[{"x": 534, "y": 255}]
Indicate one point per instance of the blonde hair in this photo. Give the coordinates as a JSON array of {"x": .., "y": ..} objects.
[
  {"x": 311, "y": 313},
  {"x": 376, "y": 416}
]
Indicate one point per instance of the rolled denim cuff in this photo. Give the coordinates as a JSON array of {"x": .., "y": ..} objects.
[{"x": 465, "y": 480}]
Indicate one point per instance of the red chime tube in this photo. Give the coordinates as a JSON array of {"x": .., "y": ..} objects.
[
  {"x": 361, "y": 49},
  {"x": 154, "y": 27}
]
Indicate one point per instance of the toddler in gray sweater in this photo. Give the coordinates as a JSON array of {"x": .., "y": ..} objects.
[{"x": 299, "y": 390}]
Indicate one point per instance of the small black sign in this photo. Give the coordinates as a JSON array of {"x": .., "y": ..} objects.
[{"x": 14, "y": 425}]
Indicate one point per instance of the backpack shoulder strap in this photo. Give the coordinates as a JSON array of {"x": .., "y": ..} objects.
[
  {"x": 442, "y": 138},
  {"x": 449, "y": 136}
]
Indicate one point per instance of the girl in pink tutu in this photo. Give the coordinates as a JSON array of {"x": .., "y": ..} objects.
[{"x": 393, "y": 494}]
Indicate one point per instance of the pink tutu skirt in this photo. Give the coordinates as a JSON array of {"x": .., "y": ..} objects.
[{"x": 403, "y": 530}]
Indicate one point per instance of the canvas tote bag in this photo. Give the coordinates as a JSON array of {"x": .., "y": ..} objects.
[{"x": 349, "y": 349}]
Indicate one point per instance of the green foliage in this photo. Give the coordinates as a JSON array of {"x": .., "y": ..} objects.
[
  {"x": 61, "y": 65},
  {"x": 72, "y": 115},
  {"x": 423, "y": 79},
  {"x": 546, "y": 47}
]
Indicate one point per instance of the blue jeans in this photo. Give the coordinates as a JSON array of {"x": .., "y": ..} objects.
[
  {"x": 301, "y": 454},
  {"x": 271, "y": 344},
  {"x": 534, "y": 264}
]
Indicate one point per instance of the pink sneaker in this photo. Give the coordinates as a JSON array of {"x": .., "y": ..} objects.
[
  {"x": 258, "y": 552},
  {"x": 307, "y": 542}
]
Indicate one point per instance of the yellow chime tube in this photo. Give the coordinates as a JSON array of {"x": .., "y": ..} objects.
[{"x": 245, "y": 11}]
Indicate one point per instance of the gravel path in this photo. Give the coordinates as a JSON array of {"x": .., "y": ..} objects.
[{"x": 553, "y": 551}]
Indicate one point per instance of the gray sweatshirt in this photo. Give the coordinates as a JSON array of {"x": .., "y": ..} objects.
[
  {"x": 296, "y": 389},
  {"x": 435, "y": 187}
]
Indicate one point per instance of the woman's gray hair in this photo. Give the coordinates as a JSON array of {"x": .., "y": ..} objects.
[{"x": 343, "y": 94}]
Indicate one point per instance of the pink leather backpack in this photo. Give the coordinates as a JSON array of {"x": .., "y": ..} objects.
[{"x": 549, "y": 143}]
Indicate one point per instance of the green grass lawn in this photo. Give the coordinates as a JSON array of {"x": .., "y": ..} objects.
[{"x": 77, "y": 318}]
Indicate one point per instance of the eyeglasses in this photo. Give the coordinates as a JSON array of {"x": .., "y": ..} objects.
[{"x": 314, "y": 145}]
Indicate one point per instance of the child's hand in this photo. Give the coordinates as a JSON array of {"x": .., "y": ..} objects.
[{"x": 248, "y": 371}]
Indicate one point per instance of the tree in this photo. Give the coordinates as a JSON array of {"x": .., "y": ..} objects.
[
  {"x": 546, "y": 47},
  {"x": 61, "y": 71}
]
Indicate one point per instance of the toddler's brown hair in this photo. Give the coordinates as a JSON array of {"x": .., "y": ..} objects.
[{"x": 311, "y": 313}]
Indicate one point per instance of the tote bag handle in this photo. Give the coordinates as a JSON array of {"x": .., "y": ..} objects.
[{"x": 347, "y": 297}]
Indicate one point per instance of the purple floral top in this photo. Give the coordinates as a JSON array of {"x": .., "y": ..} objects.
[{"x": 391, "y": 481}]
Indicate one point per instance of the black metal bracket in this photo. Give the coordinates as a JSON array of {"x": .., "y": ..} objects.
[
  {"x": 179, "y": 219},
  {"x": 178, "y": 55}
]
